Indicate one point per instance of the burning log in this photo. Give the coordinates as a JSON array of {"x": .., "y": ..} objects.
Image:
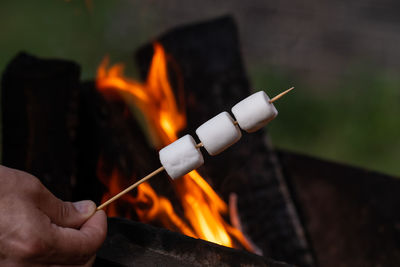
[
  {"x": 212, "y": 72},
  {"x": 205, "y": 213},
  {"x": 39, "y": 109}
]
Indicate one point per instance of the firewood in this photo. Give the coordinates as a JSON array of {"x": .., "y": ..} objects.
[{"x": 39, "y": 110}]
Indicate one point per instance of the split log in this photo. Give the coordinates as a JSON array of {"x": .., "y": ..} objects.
[{"x": 131, "y": 243}]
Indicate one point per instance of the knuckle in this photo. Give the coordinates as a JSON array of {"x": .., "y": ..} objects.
[
  {"x": 31, "y": 185},
  {"x": 34, "y": 188},
  {"x": 34, "y": 184}
]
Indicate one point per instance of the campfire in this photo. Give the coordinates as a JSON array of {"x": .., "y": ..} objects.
[
  {"x": 92, "y": 139},
  {"x": 111, "y": 129},
  {"x": 204, "y": 211}
]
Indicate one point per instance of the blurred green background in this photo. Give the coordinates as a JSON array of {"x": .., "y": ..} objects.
[{"x": 342, "y": 57}]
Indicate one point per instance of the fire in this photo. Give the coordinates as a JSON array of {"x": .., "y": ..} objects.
[{"x": 204, "y": 210}]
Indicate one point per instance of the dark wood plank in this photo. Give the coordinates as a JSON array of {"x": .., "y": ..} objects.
[
  {"x": 351, "y": 215},
  {"x": 131, "y": 243}
]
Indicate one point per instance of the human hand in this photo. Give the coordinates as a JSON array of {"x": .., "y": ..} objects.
[{"x": 38, "y": 229}]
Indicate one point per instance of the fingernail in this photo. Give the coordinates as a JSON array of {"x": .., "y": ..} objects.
[{"x": 86, "y": 207}]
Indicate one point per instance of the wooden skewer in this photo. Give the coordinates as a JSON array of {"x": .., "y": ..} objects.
[
  {"x": 120, "y": 194},
  {"x": 280, "y": 95},
  {"x": 199, "y": 145}
]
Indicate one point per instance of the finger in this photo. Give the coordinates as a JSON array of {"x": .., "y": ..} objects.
[
  {"x": 76, "y": 247},
  {"x": 66, "y": 214}
]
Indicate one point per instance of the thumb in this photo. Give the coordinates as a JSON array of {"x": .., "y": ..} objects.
[
  {"x": 65, "y": 214},
  {"x": 73, "y": 215},
  {"x": 68, "y": 214}
]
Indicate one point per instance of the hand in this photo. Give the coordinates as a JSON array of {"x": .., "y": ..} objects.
[{"x": 38, "y": 229}]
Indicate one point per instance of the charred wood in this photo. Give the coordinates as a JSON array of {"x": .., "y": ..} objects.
[
  {"x": 131, "y": 243},
  {"x": 39, "y": 118}
]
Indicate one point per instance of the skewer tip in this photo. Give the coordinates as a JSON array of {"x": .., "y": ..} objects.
[{"x": 280, "y": 95}]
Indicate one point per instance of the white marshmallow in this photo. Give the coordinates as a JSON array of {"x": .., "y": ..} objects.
[
  {"x": 181, "y": 157},
  {"x": 218, "y": 133},
  {"x": 254, "y": 112}
]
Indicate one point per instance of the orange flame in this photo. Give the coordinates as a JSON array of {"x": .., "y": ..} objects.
[{"x": 204, "y": 210}]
